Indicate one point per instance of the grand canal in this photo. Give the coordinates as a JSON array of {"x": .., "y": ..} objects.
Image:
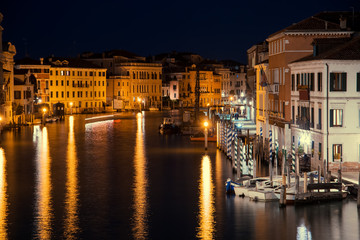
[{"x": 122, "y": 180}]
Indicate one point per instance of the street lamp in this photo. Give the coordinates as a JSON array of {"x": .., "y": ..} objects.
[
  {"x": 44, "y": 112},
  {"x": 206, "y": 124},
  {"x": 139, "y": 100},
  {"x": 71, "y": 104},
  {"x": 208, "y": 106}
]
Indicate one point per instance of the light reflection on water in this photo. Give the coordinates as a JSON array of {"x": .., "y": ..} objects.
[
  {"x": 104, "y": 181},
  {"x": 71, "y": 198},
  {"x": 140, "y": 205},
  {"x": 206, "y": 229},
  {"x": 43, "y": 208},
  {"x": 3, "y": 196}
]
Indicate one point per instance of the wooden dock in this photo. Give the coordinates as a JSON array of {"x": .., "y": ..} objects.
[{"x": 319, "y": 192}]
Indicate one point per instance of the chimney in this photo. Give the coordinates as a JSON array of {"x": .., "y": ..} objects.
[
  {"x": 342, "y": 22},
  {"x": 41, "y": 61}
]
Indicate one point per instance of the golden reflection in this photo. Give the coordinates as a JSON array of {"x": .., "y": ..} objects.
[
  {"x": 71, "y": 197},
  {"x": 206, "y": 229},
  {"x": 43, "y": 185},
  {"x": 3, "y": 196},
  {"x": 140, "y": 227}
]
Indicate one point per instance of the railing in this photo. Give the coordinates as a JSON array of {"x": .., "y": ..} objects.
[
  {"x": 303, "y": 123},
  {"x": 318, "y": 126},
  {"x": 274, "y": 88}
]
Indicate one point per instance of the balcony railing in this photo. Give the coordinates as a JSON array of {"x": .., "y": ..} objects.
[
  {"x": 304, "y": 93},
  {"x": 303, "y": 123},
  {"x": 318, "y": 126}
]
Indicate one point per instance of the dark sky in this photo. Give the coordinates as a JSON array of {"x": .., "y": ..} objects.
[{"x": 214, "y": 29}]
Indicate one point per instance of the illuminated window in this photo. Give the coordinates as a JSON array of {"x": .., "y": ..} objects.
[
  {"x": 337, "y": 82},
  {"x": 336, "y": 117},
  {"x": 337, "y": 152}
]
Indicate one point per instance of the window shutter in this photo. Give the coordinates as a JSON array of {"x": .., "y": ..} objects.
[
  {"x": 331, "y": 117},
  {"x": 332, "y": 81},
  {"x": 343, "y": 82},
  {"x": 358, "y": 82}
]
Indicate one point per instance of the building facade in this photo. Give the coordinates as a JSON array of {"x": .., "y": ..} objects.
[
  {"x": 142, "y": 80},
  {"x": 80, "y": 85},
  {"x": 325, "y": 106},
  {"x": 286, "y": 46}
]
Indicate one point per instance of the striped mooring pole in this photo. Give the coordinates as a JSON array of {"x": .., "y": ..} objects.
[
  {"x": 270, "y": 147},
  {"x": 293, "y": 157},
  {"x": 241, "y": 157},
  {"x": 251, "y": 164},
  {"x": 228, "y": 143},
  {"x": 235, "y": 151}
]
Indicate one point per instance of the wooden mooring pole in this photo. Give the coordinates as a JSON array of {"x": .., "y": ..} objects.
[
  {"x": 358, "y": 193},
  {"x": 282, "y": 200}
]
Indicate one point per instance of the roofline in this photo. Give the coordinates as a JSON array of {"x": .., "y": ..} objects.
[
  {"x": 323, "y": 61},
  {"x": 311, "y": 32}
]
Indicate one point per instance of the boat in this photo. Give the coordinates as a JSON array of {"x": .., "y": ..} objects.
[
  {"x": 153, "y": 109},
  {"x": 246, "y": 186},
  {"x": 199, "y": 137},
  {"x": 264, "y": 191},
  {"x": 51, "y": 119},
  {"x": 168, "y": 126},
  {"x": 230, "y": 185}
]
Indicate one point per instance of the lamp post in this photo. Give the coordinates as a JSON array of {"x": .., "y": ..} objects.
[
  {"x": 139, "y": 100},
  {"x": 0, "y": 124},
  {"x": 44, "y": 112},
  {"x": 208, "y": 106},
  {"x": 71, "y": 104},
  {"x": 206, "y": 124}
]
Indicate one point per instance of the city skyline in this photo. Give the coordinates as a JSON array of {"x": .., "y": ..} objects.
[{"x": 217, "y": 31}]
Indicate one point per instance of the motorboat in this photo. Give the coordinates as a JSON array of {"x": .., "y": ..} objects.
[
  {"x": 264, "y": 191},
  {"x": 199, "y": 137},
  {"x": 168, "y": 126},
  {"x": 246, "y": 186},
  {"x": 230, "y": 186}
]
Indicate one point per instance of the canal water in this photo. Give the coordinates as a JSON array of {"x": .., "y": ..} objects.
[{"x": 122, "y": 180}]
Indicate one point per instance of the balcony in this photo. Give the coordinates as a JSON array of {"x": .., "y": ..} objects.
[
  {"x": 303, "y": 93},
  {"x": 274, "y": 88},
  {"x": 303, "y": 123},
  {"x": 318, "y": 126}
]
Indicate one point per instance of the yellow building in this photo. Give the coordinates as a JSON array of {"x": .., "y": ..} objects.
[
  {"x": 79, "y": 84},
  {"x": 140, "y": 83},
  {"x": 210, "y": 87},
  {"x": 131, "y": 81},
  {"x": 262, "y": 105}
]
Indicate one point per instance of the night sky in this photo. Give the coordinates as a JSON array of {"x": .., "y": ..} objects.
[{"x": 214, "y": 29}]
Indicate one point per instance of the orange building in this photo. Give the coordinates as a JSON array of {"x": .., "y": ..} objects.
[{"x": 210, "y": 87}]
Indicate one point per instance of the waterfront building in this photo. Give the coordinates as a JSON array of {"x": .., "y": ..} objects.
[
  {"x": 39, "y": 77},
  {"x": 7, "y": 53},
  {"x": 325, "y": 103},
  {"x": 23, "y": 96},
  {"x": 288, "y": 45},
  {"x": 79, "y": 84},
  {"x": 262, "y": 120},
  {"x": 132, "y": 81},
  {"x": 210, "y": 87},
  {"x": 257, "y": 54}
]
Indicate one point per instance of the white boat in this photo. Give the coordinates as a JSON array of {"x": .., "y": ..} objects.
[
  {"x": 264, "y": 191},
  {"x": 246, "y": 186}
]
